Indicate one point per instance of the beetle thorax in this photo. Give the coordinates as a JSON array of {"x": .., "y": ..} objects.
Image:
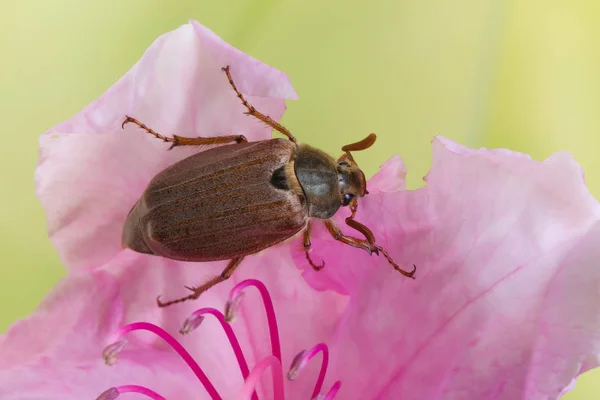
[{"x": 316, "y": 171}]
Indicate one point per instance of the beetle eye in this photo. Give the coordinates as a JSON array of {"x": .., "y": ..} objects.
[{"x": 347, "y": 199}]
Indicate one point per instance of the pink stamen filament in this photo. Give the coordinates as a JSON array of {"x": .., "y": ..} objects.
[
  {"x": 304, "y": 358},
  {"x": 321, "y": 347},
  {"x": 235, "y": 345},
  {"x": 114, "y": 392},
  {"x": 269, "y": 309},
  {"x": 171, "y": 341},
  {"x": 333, "y": 391},
  {"x": 254, "y": 377}
]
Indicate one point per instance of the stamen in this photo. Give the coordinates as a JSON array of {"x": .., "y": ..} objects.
[
  {"x": 298, "y": 364},
  {"x": 114, "y": 392},
  {"x": 194, "y": 321},
  {"x": 232, "y": 306},
  {"x": 111, "y": 351},
  {"x": 110, "y": 394},
  {"x": 302, "y": 359},
  {"x": 333, "y": 391},
  {"x": 191, "y": 324},
  {"x": 254, "y": 377},
  {"x": 171, "y": 341},
  {"x": 269, "y": 309}
]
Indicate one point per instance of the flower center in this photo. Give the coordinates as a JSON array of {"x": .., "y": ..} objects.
[{"x": 251, "y": 378}]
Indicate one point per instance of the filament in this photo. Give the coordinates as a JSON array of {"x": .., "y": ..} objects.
[
  {"x": 235, "y": 345},
  {"x": 254, "y": 377},
  {"x": 269, "y": 309},
  {"x": 333, "y": 391},
  {"x": 171, "y": 341}
]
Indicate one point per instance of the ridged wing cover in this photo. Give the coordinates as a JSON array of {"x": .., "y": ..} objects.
[{"x": 217, "y": 205}]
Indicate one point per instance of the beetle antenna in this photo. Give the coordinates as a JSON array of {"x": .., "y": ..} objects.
[{"x": 361, "y": 145}]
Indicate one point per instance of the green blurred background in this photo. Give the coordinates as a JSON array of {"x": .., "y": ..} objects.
[{"x": 521, "y": 74}]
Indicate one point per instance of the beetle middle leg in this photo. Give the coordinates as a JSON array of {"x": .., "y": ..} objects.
[
  {"x": 255, "y": 113},
  {"x": 364, "y": 244},
  {"x": 176, "y": 140},
  {"x": 307, "y": 245},
  {"x": 197, "y": 291}
]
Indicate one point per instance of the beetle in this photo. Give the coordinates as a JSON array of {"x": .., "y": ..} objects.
[{"x": 239, "y": 198}]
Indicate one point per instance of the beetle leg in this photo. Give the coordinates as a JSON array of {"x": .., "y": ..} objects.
[
  {"x": 307, "y": 245},
  {"x": 233, "y": 264},
  {"x": 357, "y": 225},
  {"x": 176, "y": 140},
  {"x": 337, "y": 234},
  {"x": 365, "y": 245},
  {"x": 255, "y": 113}
]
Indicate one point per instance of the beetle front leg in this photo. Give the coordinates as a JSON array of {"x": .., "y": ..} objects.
[
  {"x": 357, "y": 225},
  {"x": 176, "y": 140},
  {"x": 307, "y": 246},
  {"x": 365, "y": 245},
  {"x": 226, "y": 274},
  {"x": 337, "y": 234}
]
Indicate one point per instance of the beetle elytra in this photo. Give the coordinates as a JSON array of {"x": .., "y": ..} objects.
[{"x": 242, "y": 197}]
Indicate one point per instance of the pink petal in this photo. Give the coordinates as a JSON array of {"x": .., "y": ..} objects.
[
  {"x": 91, "y": 172},
  {"x": 390, "y": 178},
  {"x": 505, "y": 304},
  {"x": 81, "y": 303},
  {"x": 52, "y": 378}
]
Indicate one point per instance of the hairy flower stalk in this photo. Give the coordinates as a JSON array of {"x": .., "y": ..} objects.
[{"x": 251, "y": 378}]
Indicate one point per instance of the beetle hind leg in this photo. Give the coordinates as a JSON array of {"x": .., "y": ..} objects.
[
  {"x": 254, "y": 112},
  {"x": 197, "y": 291},
  {"x": 176, "y": 140}
]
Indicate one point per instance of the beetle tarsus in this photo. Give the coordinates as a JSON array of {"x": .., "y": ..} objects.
[
  {"x": 168, "y": 303},
  {"x": 396, "y": 267}
]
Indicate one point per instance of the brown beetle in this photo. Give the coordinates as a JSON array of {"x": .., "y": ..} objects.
[{"x": 261, "y": 193}]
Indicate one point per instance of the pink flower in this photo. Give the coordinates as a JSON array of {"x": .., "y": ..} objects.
[
  {"x": 57, "y": 352},
  {"x": 505, "y": 304}
]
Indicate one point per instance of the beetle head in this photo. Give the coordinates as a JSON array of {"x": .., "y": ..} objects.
[{"x": 352, "y": 180}]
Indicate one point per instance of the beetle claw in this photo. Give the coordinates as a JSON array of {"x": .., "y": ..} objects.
[
  {"x": 319, "y": 267},
  {"x": 126, "y": 121},
  {"x": 312, "y": 264}
]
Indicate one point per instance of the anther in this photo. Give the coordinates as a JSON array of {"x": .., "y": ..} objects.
[
  {"x": 110, "y": 394},
  {"x": 298, "y": 364},
  {"x": 232, "y": 305},
  {"x": 110, "y": 352},
  {"x": 114, "y": 392},
  {"x": 302, "y": 359},
  {"x": 191, "y": 324}
]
